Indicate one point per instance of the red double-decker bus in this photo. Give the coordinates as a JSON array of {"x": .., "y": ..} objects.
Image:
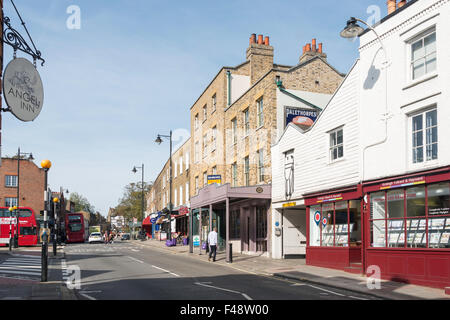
[
  {"x": 75, "y": 228},
  {"x": 28, "y": 227}
]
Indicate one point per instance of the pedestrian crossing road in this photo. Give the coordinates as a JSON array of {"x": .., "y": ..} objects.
[{"x": 22, "y": 267}]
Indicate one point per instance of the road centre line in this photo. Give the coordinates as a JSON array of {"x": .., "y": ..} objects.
[
  {"x": 203, "y": 284},
  {"x": 167, "y": 271},
  {"x": 134, "y": 259}
]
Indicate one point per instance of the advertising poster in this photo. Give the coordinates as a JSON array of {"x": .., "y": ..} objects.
[{"x": 304, "y": 118}]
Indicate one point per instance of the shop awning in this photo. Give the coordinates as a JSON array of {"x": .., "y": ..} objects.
[{"x": 147, "y": 222}]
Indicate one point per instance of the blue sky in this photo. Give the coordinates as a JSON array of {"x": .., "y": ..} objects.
[{"x": 135, "y": 68}]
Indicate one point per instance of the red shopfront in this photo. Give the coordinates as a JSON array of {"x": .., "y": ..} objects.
[
  {"x": 407, "y": 223},
  {"x": 334, "y": 224}
]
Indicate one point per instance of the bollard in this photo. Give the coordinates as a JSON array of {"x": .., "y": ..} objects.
[{"x": 230, "y": 258}]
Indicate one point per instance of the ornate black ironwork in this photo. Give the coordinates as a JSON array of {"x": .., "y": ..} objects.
[{"x": 15, "y": 40}]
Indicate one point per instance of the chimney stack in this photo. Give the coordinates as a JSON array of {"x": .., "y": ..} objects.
[
  {"x": 310, "y": 51},
  {"x": 260, "y": 54},
  {"x": 392, "y": 6}
]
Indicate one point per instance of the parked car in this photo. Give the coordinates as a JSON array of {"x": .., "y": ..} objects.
[
  {"x": 95, "y": 237},
  {"x": 125, "y": 236}
]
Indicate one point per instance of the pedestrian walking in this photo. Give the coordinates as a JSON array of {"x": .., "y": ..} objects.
[{"x": 212, "y": 241}]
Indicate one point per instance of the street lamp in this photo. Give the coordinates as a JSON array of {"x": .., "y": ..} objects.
[
  {"x": 135, "y": 169},
  {"x": 55, "y": 220},
  {"x": 159, "y": 141},
  {"x": 353, "y": 30},
  {"x": 46, "y": 165},
  {"x": 30, "y": 158}
]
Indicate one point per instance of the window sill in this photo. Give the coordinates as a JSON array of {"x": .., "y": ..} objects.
[
  {"x": 336, "y": 161},
  {"x": 419, "y": 81}
]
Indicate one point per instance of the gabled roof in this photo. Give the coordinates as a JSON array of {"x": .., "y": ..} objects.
[{"x": 320, "y": 115}]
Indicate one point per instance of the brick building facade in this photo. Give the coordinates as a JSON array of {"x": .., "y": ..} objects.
[
  {"x": 233, "y": 125},
  {"x": 31, "y": 184}
]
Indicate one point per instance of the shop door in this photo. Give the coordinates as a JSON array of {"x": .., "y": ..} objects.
[{"x": 294, "y": 232}]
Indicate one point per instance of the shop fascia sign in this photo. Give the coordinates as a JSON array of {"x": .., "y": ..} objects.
[
  {"x": 23, "y": 89},
  {"x": 403, "y": 183},
  {"x": 304, "y": 118},
  {"x": 214, "y": 179},
  {"x": 330, "y": 198}
]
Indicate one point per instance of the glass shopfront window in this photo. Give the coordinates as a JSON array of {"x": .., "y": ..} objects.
[
  {"x": 314, "y": 229},
  {"x": 417, "y": 217},
  {"x": 339, "y": 222}
]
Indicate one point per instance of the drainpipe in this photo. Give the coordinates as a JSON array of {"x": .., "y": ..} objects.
[
  {"x": 229, "y": 88},
  {"x": 386, "y": 114}
]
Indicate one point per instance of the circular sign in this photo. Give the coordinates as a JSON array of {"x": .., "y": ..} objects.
[
  {"x": 259, "y": 190},
  {"x": 317, "y": 217},
  {"x": 23, "y": 89},
  {"x": 325, "y": 222},
  {"x": 152, "y": 220}
]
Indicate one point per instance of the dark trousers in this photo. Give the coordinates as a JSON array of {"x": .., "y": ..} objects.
[{"x": 213, "y": 251}]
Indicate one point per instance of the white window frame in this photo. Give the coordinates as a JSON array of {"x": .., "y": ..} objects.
[
  {"x": 234, "y": 174},
  {"x": 260, "y": 111},
  {"x": 337, "y": 145},
  {"x": 410, "y": 43},
  {"x": 246, "y": 116},
  {"x": 187, "y": 193},
  {"x": 10, "y": 202},
  {"x": 247, "y": 171},
  {"x": 187, "y": 161},
  {"x": 205, "y": 112},
  {"x": 214, "y": 103},
  {"x": 11, "y": 181},
  {"x": 214, "y": 139},
  {"x": 205, "y": 145},
  {"x": 260, "y": 165},
  {"x": 196, "y": 123},
  {"x": 234, "y": 130},
  {"x": 424, "y": 131}
]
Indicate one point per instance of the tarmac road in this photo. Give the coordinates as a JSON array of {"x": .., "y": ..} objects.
[{"x": 127, "y": 271}]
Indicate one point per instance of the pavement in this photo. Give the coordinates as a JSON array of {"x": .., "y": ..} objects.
[
  {"x": 297, "y": 270},
  {"x": 19, "y": 287}
]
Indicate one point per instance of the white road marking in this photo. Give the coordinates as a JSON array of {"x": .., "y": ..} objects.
[
  {"x": 134, "y": 259},
  {"x": 87, "y": 296},
  {"x": 167, "y": 271},
  {"x": 357, "y": 298},
  {"x": 203, "y": 284},
  {"x": 338, "y": 294}
]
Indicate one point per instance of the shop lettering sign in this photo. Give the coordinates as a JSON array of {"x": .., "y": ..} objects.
[
  {"x": 330, "y": 198},
  {"x": 23, "y": 89},
  {"x": 290, "y": 204},
  {"x": 403, "y": 183}
]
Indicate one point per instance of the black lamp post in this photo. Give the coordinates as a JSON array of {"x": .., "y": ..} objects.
[
  {"x": 30, "y": 158},
  {"x": 159, "y": 141},
  {"x": 135, "y": 169},
  {"x": 46, "y": 165}
]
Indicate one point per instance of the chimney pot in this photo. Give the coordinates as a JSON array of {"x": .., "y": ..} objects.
[
  {"x": 320, "y": 47},
  {"x": 308, "y": 47},
  {"x": 392, "y": 6},
  {"x": 253, "y": 38},
  {"x": 267, "y": 41},
  {"x": 260, "y": 39},
  {"x": 401, "y": 3},
  {"x": 314, "y": 45}
]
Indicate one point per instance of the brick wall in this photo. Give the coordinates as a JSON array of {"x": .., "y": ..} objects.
[{"x": 31, "y": 184}]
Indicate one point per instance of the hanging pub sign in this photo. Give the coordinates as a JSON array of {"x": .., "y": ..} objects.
[
  {"x": 304, "y": 118},
  {"x": 23, "y": 89}
]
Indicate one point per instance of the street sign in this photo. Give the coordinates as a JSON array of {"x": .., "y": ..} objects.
[
  {"x": 23, "y": 89},
  {"x": 214, "y": 179}
]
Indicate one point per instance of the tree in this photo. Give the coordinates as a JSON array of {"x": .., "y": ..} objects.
[
  {"x": 130, "y": 206},
  {"x": 81, "y": 203}
]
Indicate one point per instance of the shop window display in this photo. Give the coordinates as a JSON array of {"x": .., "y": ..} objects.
[
  {"x": 418, "y": 217},
  {"x": 339, "y": 222}
]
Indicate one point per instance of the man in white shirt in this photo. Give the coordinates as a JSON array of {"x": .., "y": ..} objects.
[{"x": 212, "y": 241}]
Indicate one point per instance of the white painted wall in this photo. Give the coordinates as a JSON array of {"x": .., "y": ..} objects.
[
  {"x": 404, "y": 96},
  {"x": 239, "y": 85},
  {"x": 313, "y": 169}
]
